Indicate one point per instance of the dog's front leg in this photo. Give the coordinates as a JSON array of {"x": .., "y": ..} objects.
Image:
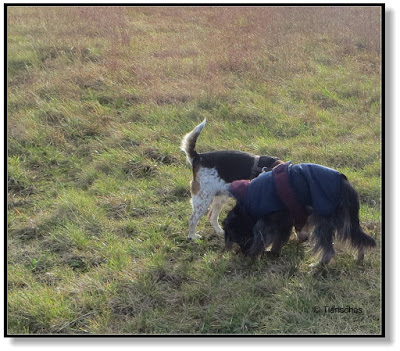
[
  {"x": 323, "y": 235},
  {"x": 280, "y": 237}
]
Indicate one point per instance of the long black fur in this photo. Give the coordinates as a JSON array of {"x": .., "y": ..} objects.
[{"x": 275, "y": 228}]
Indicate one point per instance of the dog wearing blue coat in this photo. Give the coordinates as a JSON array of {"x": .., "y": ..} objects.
[{"x": 310, "y": 197}]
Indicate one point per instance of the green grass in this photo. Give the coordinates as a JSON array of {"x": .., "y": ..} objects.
[{"x": 98, "y": 190}]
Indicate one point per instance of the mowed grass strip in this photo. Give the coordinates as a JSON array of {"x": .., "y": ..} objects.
[{"x": 98, "y": 190}]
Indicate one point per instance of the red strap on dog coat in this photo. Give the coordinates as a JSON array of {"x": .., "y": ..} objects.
[{"x": 288, "y": 197}]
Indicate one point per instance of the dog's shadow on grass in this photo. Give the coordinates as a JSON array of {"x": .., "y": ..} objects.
[
  {"x": 294, "y": 259},
  {"x": 287, "y": 263}
]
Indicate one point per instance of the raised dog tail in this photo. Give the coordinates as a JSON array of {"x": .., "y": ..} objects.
[{"x": 189, "y": 142}]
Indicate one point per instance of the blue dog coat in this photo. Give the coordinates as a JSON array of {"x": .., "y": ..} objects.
[{"x": 291, "y": 187}]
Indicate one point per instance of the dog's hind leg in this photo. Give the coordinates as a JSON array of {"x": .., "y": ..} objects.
[
  {"x": 362, "y": 242},
  {"x": 200, "y": 203},
  {"x": 360, "y": 254},
  {"x": 215, "y": 209},
  {"x": 323, "y": 238},
  {"x": 304, "y": 233}
]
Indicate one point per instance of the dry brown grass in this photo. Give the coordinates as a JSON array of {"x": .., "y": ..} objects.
[{"x": 204, "y": 50}]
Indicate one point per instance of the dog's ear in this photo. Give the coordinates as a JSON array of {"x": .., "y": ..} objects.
[
  {"x": 238, "y": 226},
  {"x": 261, "y": 238}
]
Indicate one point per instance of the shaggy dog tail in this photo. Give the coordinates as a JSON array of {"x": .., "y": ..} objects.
[
  {"x": 350, "y": 208},
  {"x": 189, "y": 142},
  {"x": 345, "y": 222}
]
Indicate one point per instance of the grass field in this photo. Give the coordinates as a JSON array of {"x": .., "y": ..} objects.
[{"x": 98, "y": 190}]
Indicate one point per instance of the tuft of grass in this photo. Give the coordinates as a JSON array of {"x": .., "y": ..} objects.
[{"x": 98, "y": 190}]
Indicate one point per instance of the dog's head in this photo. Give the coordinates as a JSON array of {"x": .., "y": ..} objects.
[
  {"x": 238, "y": 227},
  {"x": 254, "y": 237}
]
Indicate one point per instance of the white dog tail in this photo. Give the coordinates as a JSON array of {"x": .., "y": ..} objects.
[{"x": 189, "y": 142}]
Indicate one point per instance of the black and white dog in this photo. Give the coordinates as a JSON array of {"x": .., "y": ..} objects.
[
  {"x": 212, "y": 174},
  {"x": 304, "y": 196}
]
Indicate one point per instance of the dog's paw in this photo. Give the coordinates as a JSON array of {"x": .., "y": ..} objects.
[
  {"x": 271, "y": 254},
  {"x": 318, "y": 269},
  {"x": 302, "y": 237},
  {"x": 194, "y": 236},
  {"x": 314, "y": 265},
  {"x": 360, "y": 257}
]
